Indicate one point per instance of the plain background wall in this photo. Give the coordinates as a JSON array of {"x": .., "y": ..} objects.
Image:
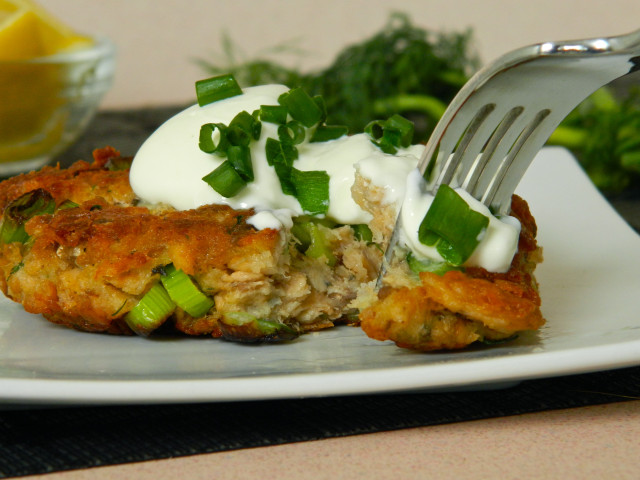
[{"x": 158, "y": 40}]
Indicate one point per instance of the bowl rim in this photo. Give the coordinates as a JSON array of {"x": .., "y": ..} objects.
[{"x": 102, "y": 47}]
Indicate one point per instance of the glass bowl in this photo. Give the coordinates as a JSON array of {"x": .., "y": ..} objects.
[{"x": 47, "y": 102}]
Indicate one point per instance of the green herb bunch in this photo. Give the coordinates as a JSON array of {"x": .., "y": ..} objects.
[
  {"x": 401, "y": 69},
  {"x": 603, "y": 132}
]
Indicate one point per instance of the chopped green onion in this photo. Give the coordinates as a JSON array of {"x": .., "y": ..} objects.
[
  {"x": 207, "y": 143},
  {"x": 324, "y": 133},
  {"x": 284, "y": 175},
  {"x": 244, "y": 327},
  {"x": 151, "y": 311},
  {"x": 313, "y": 240},
  {"x": 225, "y": 180},
  {"x": 23, "y": 208},
  {"x": 292, "y": 133},
  {"x": 280, "y": 153},
  {"x": 216, "y": 88},
  {"x": 452, "y": 226},
  {"x": 498, "y": 341},
  {"x": 247, "y": 123},
  {"x": 67, "y": 204},
  {"x": 404, "y": 127},
  {"x": 301, "y": 233},
  {"x": 311, "y": 190},
  {"x": 302, "y": 107},
  {"x": 362, "y": 232},
  {"x": 273, "y": 114},
  {"x": 319, "y": 99},
  {"x": 240, "y": 158},
  {"x": 15, "y": 269},
  {"x": 375, "y": 129},
  {"x": 319, "y": 246},
  {"x": 376, "y": 132},
  {"x": 439, "y": 268},
  {"x": 119, "y": 163},
  {"x": 390, "y": 134},
  {"x": 237, "y": 136},
  {"x": 185, "y": 293}
]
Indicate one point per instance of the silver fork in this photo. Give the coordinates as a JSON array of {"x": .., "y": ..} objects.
[
  {"x": 493, "y": 128},
  {"x": 500, "y": 119}
]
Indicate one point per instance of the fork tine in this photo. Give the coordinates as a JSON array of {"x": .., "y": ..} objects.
[
  {"x": 498, "y": 194},
  {"x": 460, "y": 154},
  {"x": 509, "y": 122},
  {"x": 452, "y": 148},
  {"x": 495, "y": 157}
]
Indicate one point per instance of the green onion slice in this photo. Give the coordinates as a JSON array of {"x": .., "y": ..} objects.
[
  {"x": 240, "y": 158},
  {"x": 418, "y": 265},
  {"x": 362, "y": 232},
  {"x": 119, "y": 163},
  {"x": 314, "y": 242},
  {"x": 244, "y": 327},
  {"x": 273, "y": 114},
  {"x": 319, "y": 246},
  {"x": 376, "y": 132},
  {"x": 151, "y": 311},
  {"x": 319, "y": 99},
  {"x": 280, "y": 153},
  {"x": 390, "y": 134},
  {"x": 311, "y": 190},
  {"x": 248, "y": 124},
  {"x": 292, "y": 133},
  {"x": 216, "y": 88},
  {"x": 452, "y": 226},
  {"x": 23, "y": 208},
  {"x": 206, "y": 139},
  {"x": 403, "y": 127},
  {"x": 302, "y": 107},
  {"x": 225, "y": 180},
  {"x": 185, "y": 293},
  {"x": 325, "y": 133},
  {"x": 66, "y": 204}
]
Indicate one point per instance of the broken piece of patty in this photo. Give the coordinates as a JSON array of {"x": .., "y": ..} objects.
[{"x": 87, "y": 266}]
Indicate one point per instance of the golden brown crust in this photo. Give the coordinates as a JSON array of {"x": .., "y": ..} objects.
[{"x": 79, "y": 183}]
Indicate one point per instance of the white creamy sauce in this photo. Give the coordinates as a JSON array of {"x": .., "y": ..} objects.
[
  {"x": 498, "y": 243},
  {"x": 169, "y": 168}
]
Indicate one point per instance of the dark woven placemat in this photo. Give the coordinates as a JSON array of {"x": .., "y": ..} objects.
[{"x": 36, "y": 441}]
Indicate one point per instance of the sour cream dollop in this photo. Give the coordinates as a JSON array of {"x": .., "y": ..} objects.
[{"x": 169, "y": 167}]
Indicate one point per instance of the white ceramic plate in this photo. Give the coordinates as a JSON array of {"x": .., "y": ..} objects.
[{"x": 590, "y": 288}]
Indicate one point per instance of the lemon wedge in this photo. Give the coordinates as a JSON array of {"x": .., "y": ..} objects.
[
  {"x": 28, "y": 31},
  {"x": 31, "y": 121}
]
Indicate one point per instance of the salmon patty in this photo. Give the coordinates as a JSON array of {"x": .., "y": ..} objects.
[{"x": 92, "y": 257}]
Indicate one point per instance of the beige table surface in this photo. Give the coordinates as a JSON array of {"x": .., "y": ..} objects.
[{"x": 596, "y": 442}]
